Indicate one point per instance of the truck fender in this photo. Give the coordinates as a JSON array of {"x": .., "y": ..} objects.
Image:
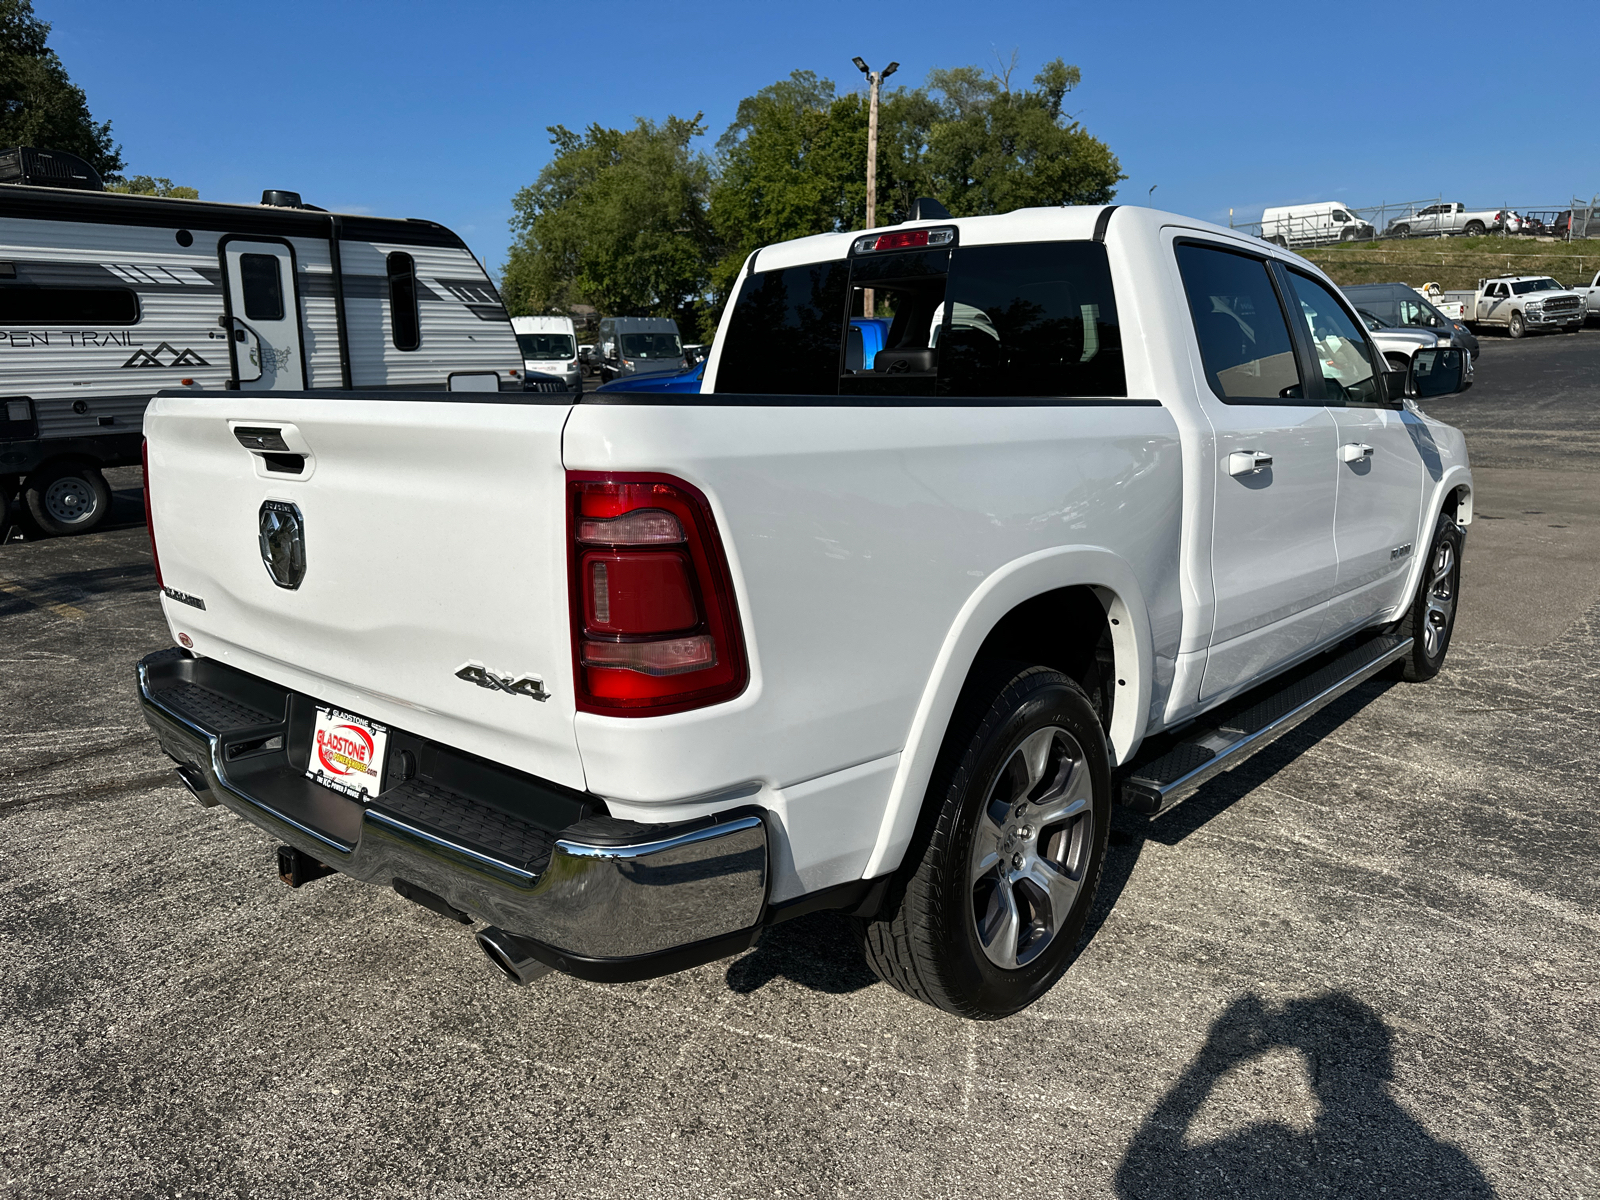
[
  {"x": 1454, "y": 478},
  {"x": 1113, "y": 580}
]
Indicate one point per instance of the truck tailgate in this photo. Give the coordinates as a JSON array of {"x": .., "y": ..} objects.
[{"x": 434, "y": 534}]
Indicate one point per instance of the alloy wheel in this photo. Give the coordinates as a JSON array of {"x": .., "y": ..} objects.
[
  {"x": 1440, "y": 599},
  {"x": 1031, "y": 847}
]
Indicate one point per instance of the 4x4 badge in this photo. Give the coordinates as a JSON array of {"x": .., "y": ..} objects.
[{"x": 522, "y": 685}]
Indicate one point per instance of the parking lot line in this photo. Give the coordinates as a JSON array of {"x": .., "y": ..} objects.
[{"x": 67, "y": 611}]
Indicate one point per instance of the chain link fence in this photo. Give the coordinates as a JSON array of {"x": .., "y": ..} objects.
[{"x": 1300, "y": 225}]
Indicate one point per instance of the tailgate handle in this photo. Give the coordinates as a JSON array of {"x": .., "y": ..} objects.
[{"x": 253, "y": 437}]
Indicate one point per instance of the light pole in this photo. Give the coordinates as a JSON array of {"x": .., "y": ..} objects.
[{"x": 875, "y": 80}]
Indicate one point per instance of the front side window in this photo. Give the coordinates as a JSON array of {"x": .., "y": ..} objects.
[
  {"x": 783, "y": 336},
  {"x": 1244, "y": 338},
  {"x": 1036, "y": 319},
  {"x": 651, "y": 345},
  {"x": 261, "y": 284},
  {"x": 1347, "y": 371},
  {"x": 545, "y": 347},
  {"x": 24, "y": 304},
  {"x": 405, "y": 322}
]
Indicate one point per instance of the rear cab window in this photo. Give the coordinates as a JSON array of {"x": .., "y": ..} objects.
[
  {"x": 977, "y": 322},
  {"x": 1244, "y": 337}
]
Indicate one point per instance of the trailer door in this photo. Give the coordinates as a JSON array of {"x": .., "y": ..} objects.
[{"x": 263, "y": 316}]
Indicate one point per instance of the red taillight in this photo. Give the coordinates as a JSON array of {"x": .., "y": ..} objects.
[
  {"x": 910, "y": 239},
  {"x": 149, "y": 522},
  {"x": 655, "y": 628}
]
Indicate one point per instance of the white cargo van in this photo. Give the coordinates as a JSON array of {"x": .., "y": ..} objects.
[
  {"x": 549, "y": 347},
  {"x": 1313, "y": 224}
]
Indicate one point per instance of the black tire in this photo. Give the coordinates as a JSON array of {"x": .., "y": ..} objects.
[
  {"x": 1397, "y": 361},
  {"x": 67, "y": 498},
  {"x": 1431, "y": 619},
  {"x": 982, "y": 806},
  {"x": 1518, "y": 327},
  {"x": 1474, "y": 229},
  {"x": 1572, "y": 328},
  {"x": 1402, "y": 231}
]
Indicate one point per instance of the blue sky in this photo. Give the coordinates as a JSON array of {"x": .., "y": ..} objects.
[{"x": 439, "y": 111}]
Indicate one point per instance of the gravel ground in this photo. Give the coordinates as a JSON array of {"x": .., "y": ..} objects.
[{"x": 1361, "y": 964}]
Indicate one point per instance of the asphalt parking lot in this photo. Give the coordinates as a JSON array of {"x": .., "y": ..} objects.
[{"x": 1361, "y": 964}]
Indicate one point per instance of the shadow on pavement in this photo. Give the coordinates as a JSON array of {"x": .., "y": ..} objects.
[
  {"x": 1361, "y": 1142},
  {"x": 818, "y": 951},
  {"x": 1130, "y": 830}
]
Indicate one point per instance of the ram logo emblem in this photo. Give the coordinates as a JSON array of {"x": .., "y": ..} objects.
[{"x": 522, "y": 685}]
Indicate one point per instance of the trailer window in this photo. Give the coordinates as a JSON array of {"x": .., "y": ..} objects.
[
  {"x": 405, "y": 323},
  {"x": 785, "y": 333},
  {"x": 1243, "y": 335},
  {"x": 262, "y": 284},
  {"x": 1035, "y": 319},
  {"x": 22, "y": 304}
]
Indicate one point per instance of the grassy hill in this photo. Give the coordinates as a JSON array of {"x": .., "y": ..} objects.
[{"x": 1456, "y": 262}]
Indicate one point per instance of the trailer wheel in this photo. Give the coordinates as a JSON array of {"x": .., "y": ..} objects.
[{"x": 67, "y": 498}]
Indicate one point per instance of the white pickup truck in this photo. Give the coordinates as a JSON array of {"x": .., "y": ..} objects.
[
  {"x": 628, "y": 677},
  {"x": 1591, "y": 295},
  {"x": 1522, "y": 304},
  {"x": 1449, "y": 219}
]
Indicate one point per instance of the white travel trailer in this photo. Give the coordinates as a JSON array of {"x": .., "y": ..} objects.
[
  {"x": 106, "y": 299},
  {"x": 1313, "y": 224},
  {"x": 549, "y": 347}
]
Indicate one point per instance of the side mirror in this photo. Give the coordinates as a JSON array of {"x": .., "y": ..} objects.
[{"x": 1443, "y": 371}]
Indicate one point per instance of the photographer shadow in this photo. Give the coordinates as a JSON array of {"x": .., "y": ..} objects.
[{"x": 1361, "y": 1143}]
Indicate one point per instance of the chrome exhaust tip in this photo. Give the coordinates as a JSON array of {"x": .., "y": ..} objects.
[
  {"x": 192, "y": 779},
  {"x": 510, "y": 953}
]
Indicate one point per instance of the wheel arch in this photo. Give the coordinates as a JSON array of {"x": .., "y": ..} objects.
[{"x": 996, "y": 620}]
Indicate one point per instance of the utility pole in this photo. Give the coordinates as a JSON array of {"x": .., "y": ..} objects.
[{"x": 875, "y": 80}]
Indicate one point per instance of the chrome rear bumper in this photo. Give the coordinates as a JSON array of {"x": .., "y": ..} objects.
[{"x": 596, "y": 897}]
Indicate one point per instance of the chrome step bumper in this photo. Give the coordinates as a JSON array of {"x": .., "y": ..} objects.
[
  {"x": 596, "y": 897},
  {"x": 1159, "y": 783}
]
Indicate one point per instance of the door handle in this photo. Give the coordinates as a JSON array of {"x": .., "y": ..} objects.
[
  {"x": 1352, "y": 452},
  {"x": 1248, "y": 462}
]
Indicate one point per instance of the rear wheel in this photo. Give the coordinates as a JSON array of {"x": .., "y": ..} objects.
[
  {"x": 993, "y": 897},
  {"x": 1518, "y": 327},
  {"x": 1474, "y": 229},
  {"x": 68, "y": 498},
  {"x": 1431, "y": 619}
]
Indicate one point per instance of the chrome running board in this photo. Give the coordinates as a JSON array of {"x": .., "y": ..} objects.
[{"x": 1159, "y": 783}]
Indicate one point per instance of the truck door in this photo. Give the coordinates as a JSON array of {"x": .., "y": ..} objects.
[
  {"x": 263, "y": 315},
  {"x": 1379, "y": 463},
  {"x": 1272, "y": 556}
]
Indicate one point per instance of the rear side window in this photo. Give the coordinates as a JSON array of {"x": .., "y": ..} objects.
[
  {"x": 261, "y": 282},
  {"x": 24, "y": 305},
  {"x": 1037, "y": 319},
  {"x": 1244, "y": 338},
  {"x": 404, "y": 323},
  {"x": 783, "y": 338}
]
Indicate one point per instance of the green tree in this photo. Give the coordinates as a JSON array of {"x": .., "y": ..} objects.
[
  {"x": 39, "y": 105},
  {"x": 144, "y": 185},
  {"x": 793, "y": 163},
  {"x": 616, "y": 220},
  {"x": 990, "y": 149}
]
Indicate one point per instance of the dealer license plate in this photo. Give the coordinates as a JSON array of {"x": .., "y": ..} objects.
[{"x": 347, "y": 752}]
